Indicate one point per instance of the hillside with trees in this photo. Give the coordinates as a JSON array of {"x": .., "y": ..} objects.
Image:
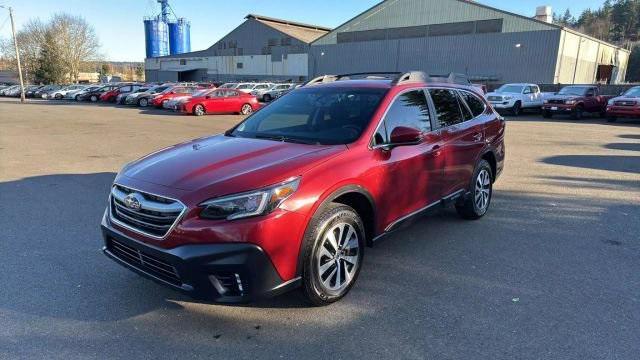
[{"x": 617, "y": 21}]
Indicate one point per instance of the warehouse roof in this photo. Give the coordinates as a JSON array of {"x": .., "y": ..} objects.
[{"x": 300, "y": 31}]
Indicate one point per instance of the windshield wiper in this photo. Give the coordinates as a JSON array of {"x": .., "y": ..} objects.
[{"x": 283, "y": 138}]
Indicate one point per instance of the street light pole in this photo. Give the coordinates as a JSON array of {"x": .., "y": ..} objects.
[{"x": 15, "y": 45}]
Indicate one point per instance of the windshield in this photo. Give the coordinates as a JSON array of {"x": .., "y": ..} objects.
[
  {"x": 633, "y": 92},
  {"x": 573, "y": 90},
  {"x": 158, "y": 89},
  {"x": 325, "y": 116},
  {"x": 514, "y": 89}
]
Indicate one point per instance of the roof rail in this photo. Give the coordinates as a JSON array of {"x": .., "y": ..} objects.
[
  {"x": 366, "y": 75},
  {"x": 452, "y": 78},
  {"x": 398, "y": 79}
]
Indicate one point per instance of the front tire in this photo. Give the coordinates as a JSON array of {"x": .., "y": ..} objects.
[
  {"x": 477, "y": 204},
  {"x": 333, "y": 250},
  {"x": 144, "y": 102},
  {"x": 246, "y": 109},
  {"x": 612, "y": 119},
  {"x": 58, "y": 96},
  {"x": 94, "y": 98},
  {"x": 516, "y": 110},
  {"x": 577, "y": 113},
  {"x": 266, "y": 98},
  {"x": 547, "y": 114}
]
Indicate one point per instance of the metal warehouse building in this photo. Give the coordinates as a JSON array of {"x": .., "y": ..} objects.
[
  {"x": 487, "y": 44},
  {"x": 261, "y": 48}
]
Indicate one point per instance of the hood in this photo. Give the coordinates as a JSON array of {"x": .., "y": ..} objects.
[
  {"x": 225, "y": 165},
  {"x": 494, "y": 93}
]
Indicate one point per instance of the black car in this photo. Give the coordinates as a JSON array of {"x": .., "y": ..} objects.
[
  {"x": 45, "y": 89},
  {"x": 31, "y": 90},
  {"x": 94, "y": 95}
]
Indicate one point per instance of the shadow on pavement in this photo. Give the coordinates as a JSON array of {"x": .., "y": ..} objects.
[
  {"x": 627, "y": 164},
  {"x": 623, "y": 146},
  {"x": 428, "y": 280}
]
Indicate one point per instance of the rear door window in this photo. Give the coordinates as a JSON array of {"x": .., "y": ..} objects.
[
  {"x": 476, "y": 105},
  {"x": 447, "y": 107}
]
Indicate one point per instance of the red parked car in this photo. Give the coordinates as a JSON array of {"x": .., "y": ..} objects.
[
  {"x": 626, "y": 105},
  {"x": 575, "y": 101},
  {"x": 159, "y": 100},
  {"x": 292, "y": 195},
  {"x": 222, "y": 101},
  {"x": 111, "y": 95}
]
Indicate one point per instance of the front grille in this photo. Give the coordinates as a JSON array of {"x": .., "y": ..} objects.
[
  {"x": 495, "y": 98},
  {"x": 154, "y": 216},
  {"x": 552, "y": 101},
  {"x": 625, "y": 103},
  {"x": 151, "y": 264}
]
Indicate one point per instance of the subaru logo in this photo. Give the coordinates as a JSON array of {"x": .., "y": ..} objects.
[{"x": 132, "y": 201}]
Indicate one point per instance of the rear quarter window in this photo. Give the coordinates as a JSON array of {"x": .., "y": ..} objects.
[{"x": 476, "y": 105}]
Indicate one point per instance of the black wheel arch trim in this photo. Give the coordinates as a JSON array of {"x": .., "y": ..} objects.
[{"x": 328, "y": 200}]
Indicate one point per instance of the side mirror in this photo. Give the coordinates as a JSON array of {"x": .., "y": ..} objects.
[{"x": 403, "y": 135}]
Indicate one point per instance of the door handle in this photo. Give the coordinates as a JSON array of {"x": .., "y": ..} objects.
[
  {"x": 436, "y": 150},
  {"x": 477, "y": 137}
]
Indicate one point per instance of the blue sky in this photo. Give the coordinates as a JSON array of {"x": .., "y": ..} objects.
[{"x": 119, "y": 22}]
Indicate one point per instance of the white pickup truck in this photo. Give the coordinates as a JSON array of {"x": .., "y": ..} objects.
[{"x": 516, "y": 97}]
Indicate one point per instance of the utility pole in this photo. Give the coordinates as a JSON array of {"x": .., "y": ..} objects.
[{"x": 15, "y": 44}]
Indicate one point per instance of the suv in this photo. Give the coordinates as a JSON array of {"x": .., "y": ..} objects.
[
  {"x": 575, "y": 101},
  {"x": 292, "y": 195},
  {"x": 627, "y": 105}
]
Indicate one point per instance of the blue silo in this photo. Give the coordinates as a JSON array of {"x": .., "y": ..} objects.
[
  {"x": 179, "y": 37},
  {"x": 156, "y": 36}
]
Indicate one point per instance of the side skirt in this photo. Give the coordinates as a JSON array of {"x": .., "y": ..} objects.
[{"x": 459, "y": 195}]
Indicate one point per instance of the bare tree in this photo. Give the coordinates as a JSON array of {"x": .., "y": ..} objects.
[
  {"x": 76, "y": 41},
  {"x": 31, "y": 39}
]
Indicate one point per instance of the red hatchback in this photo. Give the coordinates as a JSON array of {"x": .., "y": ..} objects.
[
  {"x": 292, "y": 195},
  {"x": 222, "y": 101},
  {"x": 160, "y": 99}
]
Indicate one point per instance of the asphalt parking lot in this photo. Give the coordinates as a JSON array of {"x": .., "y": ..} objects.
[{"x": 552, "y": 272}]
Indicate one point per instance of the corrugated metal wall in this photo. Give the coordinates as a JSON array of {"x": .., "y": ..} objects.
[
  {"x": 495, "y": 56},
  {"x": 405, "y": 13}
]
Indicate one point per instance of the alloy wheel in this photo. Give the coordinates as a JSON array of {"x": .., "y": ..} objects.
[
  {"x": 246, "y": 109},
  {"x": 199, "y": 110},
  {"x": 338, "y": 257},
  {"x": 482, "y": 190}
]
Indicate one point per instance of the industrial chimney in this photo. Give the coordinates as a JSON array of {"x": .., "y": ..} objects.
[{"x": 544, "y": 13}]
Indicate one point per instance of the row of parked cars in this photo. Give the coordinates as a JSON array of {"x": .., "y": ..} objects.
[
  {"x": 190, "y": 98},
  {"x": 573, "y": 100}
]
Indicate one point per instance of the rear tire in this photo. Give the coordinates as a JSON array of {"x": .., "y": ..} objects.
[
  {"x": 476, "y": 205},
  {"x": 332, "y": 250},
  {"x": 266, "y": 98},
  {"x": 547, "y": 114},
  {"x": 198, "y": 110},
  {"x": 77, "y": 97},
  {"x": 144, "y": 102},
  {"x": 612, "y": 119},
  {"x": 93, "y": 98},
  {"x": 58, "y": 96}
]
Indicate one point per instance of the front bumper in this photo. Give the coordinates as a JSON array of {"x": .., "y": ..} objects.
[
  {"x": 623, "y": 111},
  {"x": 558, "y": 108},
  {"x": 503, "y": 105},
  {"x": 224, "y": 273}
]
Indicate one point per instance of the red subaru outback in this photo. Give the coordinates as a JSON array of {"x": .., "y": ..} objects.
[{"x": 292, "y": 195}]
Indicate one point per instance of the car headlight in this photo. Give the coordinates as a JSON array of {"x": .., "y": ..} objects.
[
  {"x": 610, "y": 102},
  {"x": 570, "y": 102},
  {"x": 253, "y": 203}
]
